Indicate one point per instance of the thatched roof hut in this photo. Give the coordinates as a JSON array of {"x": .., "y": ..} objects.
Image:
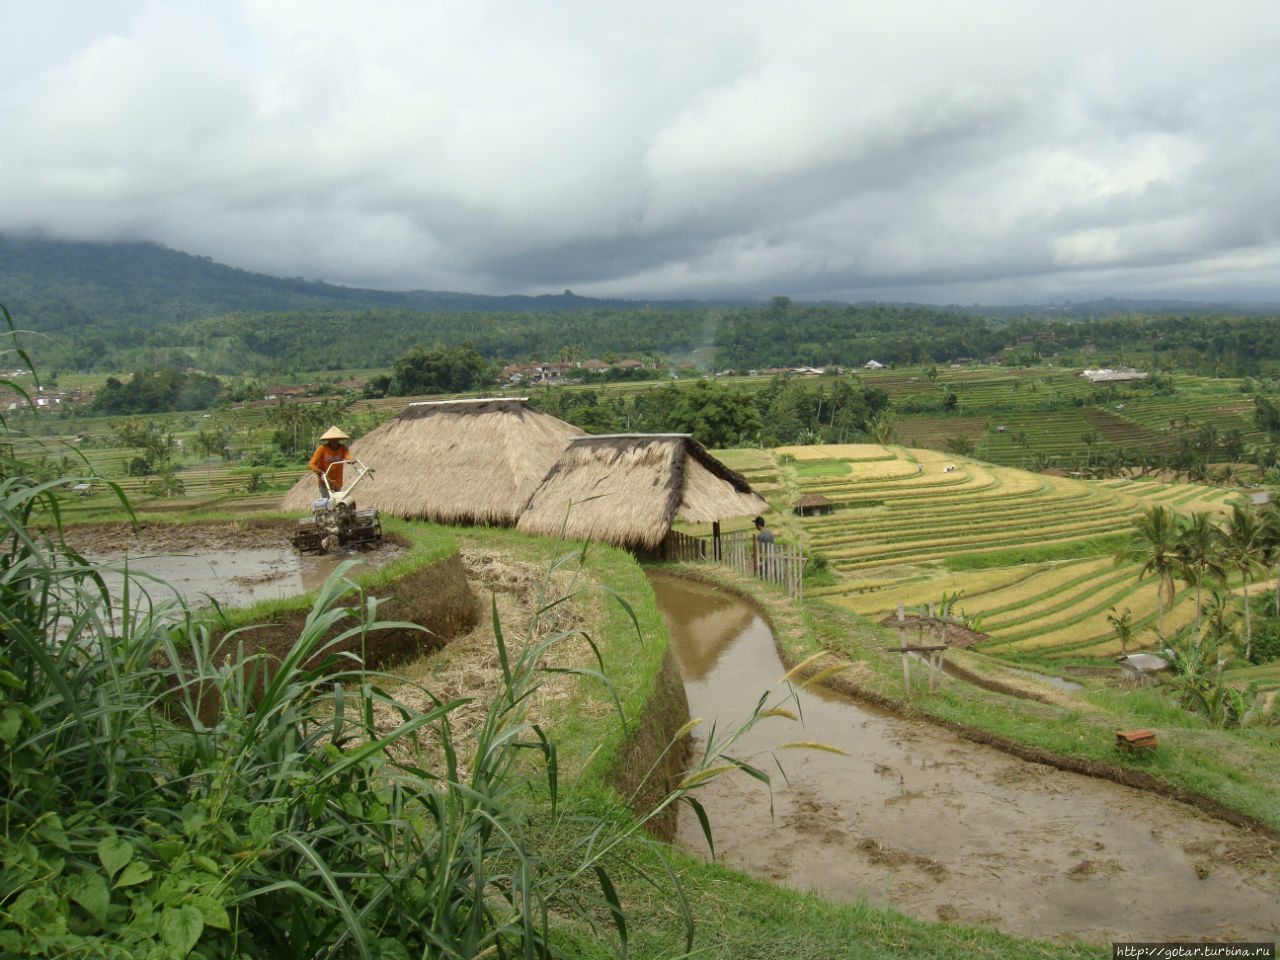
[
  {"x": 627, "y": 489},
  {"x": 812, "y": 504},
  {"x": 454, "y": 461}
]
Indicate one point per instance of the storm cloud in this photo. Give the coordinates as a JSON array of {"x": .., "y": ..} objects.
[{"x": 928, "y": 151}]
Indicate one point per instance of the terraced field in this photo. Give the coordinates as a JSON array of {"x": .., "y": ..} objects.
[{"x": 1030, "y": 556}]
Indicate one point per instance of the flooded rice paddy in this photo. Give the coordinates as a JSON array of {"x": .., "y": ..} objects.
[
  {"x": 940, "y": 828},
  {"x": 231, "y": 566}
]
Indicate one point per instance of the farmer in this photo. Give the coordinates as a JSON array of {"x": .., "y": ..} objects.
[{"x": 327, "y": 460}]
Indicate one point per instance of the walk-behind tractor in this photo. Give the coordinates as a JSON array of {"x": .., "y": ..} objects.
[{"x": 335, "y": 522}]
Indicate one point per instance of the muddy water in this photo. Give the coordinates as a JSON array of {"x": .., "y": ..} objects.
[
  {"x": 941, "y": 828},
  {"x": 236, "y": 578},
  {"x": 236, "y": 568}
]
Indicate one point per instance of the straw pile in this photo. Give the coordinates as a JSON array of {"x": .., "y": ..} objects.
[
  {"x": 627, "y": 489},
  {"x": 453, "y": 461}
]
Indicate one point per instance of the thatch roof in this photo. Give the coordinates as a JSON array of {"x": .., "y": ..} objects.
[
  {"x": 627, "y": 489},
  {"x": 958, "y": 635},
  {"x": 454, "y": 461},
  {"x": 812, "y": 500}
]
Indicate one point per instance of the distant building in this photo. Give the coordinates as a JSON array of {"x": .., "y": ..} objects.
[
  {"x": 1104, "y": 375},
  {"x": 873, "y": 365}
]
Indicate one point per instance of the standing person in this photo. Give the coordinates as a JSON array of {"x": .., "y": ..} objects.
[
  {"x": 328, "y": 458},
  {"x": 764, "y": 549},
  {"x": 763, "y": 534}
]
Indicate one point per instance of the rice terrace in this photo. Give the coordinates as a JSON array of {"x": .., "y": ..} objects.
[
  {"x": 911, "y": 525},
  {"x": 586, "y": 481},
  {"x": 980, "y": 660}
]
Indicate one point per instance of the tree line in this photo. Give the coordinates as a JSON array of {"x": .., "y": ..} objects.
[
  {"x": 741, "y": 338},
  {"x": 786, "y": 411}
]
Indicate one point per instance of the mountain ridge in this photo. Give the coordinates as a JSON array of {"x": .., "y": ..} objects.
[{"x": 51, "y": 282}]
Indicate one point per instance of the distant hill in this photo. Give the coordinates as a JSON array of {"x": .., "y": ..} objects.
[
  {"x": 55, "y": 284},
  {"x": 120, "y": 307},
  {"x": 1111, "y": 306}
]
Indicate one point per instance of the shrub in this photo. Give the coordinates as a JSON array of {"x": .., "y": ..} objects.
[{"x": 1266, "y": 640}]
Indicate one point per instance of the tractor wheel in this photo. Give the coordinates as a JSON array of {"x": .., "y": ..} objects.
[{"x": 308, "y": 537}]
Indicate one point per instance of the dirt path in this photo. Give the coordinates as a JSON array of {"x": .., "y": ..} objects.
[{"x": 919, "y": 819}]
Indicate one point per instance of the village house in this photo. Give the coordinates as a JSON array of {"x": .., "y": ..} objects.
[{"x": 1105, "y": 375}]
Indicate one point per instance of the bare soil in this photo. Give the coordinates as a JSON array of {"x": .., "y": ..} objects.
[{"x": 469, "y": 667}]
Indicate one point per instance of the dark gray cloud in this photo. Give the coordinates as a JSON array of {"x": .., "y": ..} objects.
[{"x": 994, "y": 151}]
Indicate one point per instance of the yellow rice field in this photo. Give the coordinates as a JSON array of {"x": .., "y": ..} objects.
[
  {"x": 934, "y": 506},
  {"x": 841, "y": 451},
  {"x": 971, "y": 584}
]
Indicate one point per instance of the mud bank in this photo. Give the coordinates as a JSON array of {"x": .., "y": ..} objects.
[
  {"x": 919, "y": 819},
  {"x": 653, "y": 760}
]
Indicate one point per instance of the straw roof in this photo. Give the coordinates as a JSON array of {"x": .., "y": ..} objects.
[
  {"x": 627, "y": 489},
  {"x": 454, "y": 461},
  {"x": 812, "y": 500}
]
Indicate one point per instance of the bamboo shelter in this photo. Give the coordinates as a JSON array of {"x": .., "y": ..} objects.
[
  {"x": 628, "y": 489},
  {"x": 454, "y": 461},
  {"x": 812, "y": 505}
]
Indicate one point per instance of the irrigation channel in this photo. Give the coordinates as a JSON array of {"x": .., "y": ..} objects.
[{"x": 918, "y": 819}]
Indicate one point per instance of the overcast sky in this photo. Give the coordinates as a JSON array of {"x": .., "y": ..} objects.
[{"x": 942, "y": 152}]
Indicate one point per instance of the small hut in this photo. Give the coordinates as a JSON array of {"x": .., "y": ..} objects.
[
  {"x": 454, "y": 461},
  {"x": 628, "y": 489},
  {"x": 812, "y": 505},
  {"x": 1139, "y": 669}
]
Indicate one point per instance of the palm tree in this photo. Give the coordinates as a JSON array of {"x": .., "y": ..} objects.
[
  {"x": 1219, "y": 612},
  {"x": 1244, "y": 548},
  {"x": 1270, "y": 516},
  {"x": 1122, "y": 623},
  {"x": 1207, "y": 437},
  {"x": 1197, "y": 555},
  {"x": 882, "y": 427},
  {"x": 1154, "y": 545}
]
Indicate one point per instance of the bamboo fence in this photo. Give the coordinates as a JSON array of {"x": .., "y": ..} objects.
[{"x": 781, "y": 564}]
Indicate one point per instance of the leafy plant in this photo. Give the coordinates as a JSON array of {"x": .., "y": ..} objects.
[
  {"x": 1122, "y": 623},
  {"x": 1198, "y": 678}
]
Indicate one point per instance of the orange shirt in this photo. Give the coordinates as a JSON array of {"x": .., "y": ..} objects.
[{"x": 330, "y": 461}]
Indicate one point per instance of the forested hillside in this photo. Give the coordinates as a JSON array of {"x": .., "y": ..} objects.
[{"x": 119, "y": 308}]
